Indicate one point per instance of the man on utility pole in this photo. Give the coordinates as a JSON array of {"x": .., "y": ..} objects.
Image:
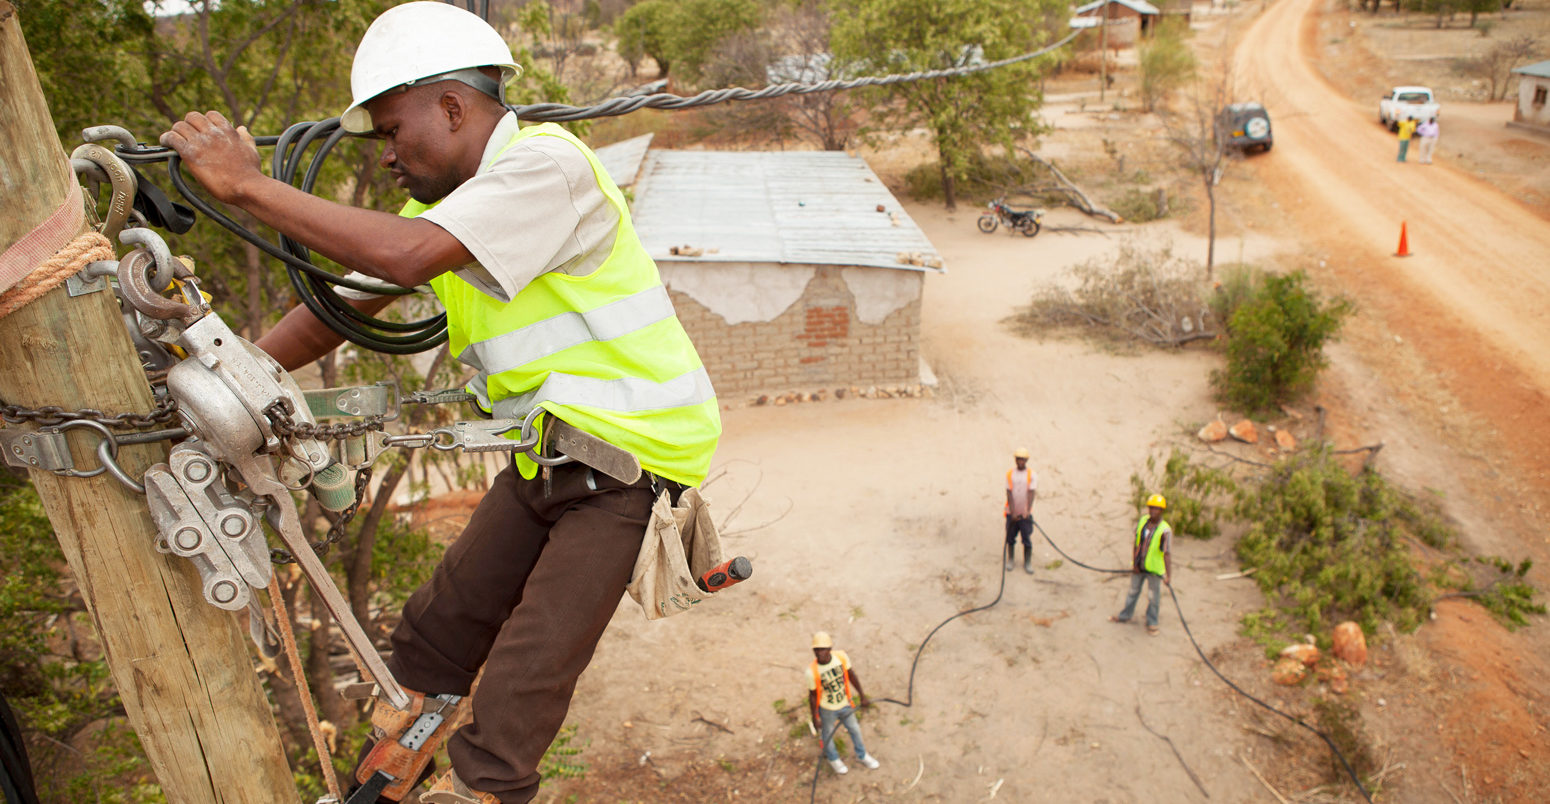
[
  {"x": 554, "y": 302},
  {"x": 1021, "y": 488},
  {"x": 1151, "y": 560}
]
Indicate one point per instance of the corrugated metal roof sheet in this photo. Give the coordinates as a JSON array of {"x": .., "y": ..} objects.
[
  {"x": 622, "y": 159},
  {"x": 804, "y": 207},
  {"x": 1538, "y": 69},
  {"x": 1140, "y": 6}
]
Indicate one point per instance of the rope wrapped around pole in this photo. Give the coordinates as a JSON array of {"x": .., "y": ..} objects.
[{"x": 68, "y": 261}]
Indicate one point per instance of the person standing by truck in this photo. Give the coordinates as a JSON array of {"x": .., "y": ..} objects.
[
  {"x": 1428, "y": 132},
  {"x": 1406, "y": 131}
]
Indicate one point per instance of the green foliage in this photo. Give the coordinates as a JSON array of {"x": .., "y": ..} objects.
[
  {"x": 1508, "y": 596},
  {"x": 402, "y": 559},
  {"x": 1138, "y": 205},
  {"x": 962, "y": 113},
  {"x": 1198, "y": 496},
  {"x": 1239, "y": 284},
  {"x": 681, "y": 35},
  {"x": 563, "y": 760},
  {"x": 1330, "y": 546},
  {"x": 1166, "y": 62},
  {"x": 1275, "y": 343},
  {"x": 985, "y": 176}
]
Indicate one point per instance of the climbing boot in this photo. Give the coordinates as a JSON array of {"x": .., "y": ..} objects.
[
  {"x": 449, "y": 789},
  {"x": 1028, "y": 559},
  {"x": 403, "y": 742},
  {"x": 1010, "y": 551}
]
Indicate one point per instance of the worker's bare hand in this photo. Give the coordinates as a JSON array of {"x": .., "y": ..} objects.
[{"x": 220, "y": 156}]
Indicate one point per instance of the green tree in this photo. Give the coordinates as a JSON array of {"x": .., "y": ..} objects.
[
  {"x": 1275, "y": 343},
  {"x": 1166, "y": 62},
  {"x": 643, "y": 31},
  {"x": 962, "y": 113}
]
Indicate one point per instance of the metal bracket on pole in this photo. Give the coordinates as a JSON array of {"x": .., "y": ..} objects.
[{"x": 44, "y": 450}]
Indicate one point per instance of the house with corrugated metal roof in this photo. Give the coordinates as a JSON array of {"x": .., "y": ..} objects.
[
  {"x": 1127, "y": 20},
  {"x": 1533, "y": 112},
  {"x": 792, "y": 270}
]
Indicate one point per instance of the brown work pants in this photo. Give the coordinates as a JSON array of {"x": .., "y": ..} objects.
[{"x": 525, "y": 593}]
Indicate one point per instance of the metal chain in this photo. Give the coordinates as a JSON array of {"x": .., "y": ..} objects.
[
  {"x": 53, "y": 415},
  {"x": 336, "y": 531},
  {"x": 283, "y": 425}
]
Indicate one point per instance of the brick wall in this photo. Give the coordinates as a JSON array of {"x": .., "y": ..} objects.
[{"x": 818, "y": 342}]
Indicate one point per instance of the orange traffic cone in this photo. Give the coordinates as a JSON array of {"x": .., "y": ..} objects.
[{"x": 1404, "y": 242}]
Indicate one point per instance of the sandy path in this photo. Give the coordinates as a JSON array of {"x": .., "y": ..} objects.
[
  {"x": 1478, "y": 254},
  {"x": 1472, "y": 306}
]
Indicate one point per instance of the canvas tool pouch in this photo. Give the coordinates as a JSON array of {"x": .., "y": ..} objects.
[{"x": 681, "y": 544}]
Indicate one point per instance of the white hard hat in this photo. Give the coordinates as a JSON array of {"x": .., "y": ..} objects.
[{"x": 416, "y": 41}]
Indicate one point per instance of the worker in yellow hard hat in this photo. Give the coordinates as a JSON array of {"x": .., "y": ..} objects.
[
  {"x": 1151, "y": 560},
  {"x": 1021, "y": 488},
  {"x": 558, "y": 308},
  {"x": 830, "y": 679}
]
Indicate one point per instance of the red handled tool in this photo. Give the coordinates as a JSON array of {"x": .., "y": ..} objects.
[{"x": 726, "y": 574}]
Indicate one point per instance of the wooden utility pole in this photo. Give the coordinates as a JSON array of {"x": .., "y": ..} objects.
[
  {"x": 1103, "y": 51},
  {"x": 182, "y": 666}
]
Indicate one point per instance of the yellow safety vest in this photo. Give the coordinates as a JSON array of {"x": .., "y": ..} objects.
[
  {"x": 1154, "y": 552},
  {"x": 605, "y": 352}
]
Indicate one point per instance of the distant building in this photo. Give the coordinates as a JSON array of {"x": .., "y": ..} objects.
[
  {"x": 790, "y": 270},
  {"x": 1128, "y": 20},
  {"x": 1533, "y": 112}
]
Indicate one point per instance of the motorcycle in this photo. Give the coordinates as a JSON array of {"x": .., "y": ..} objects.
[{"x": 1026, "y": 221}]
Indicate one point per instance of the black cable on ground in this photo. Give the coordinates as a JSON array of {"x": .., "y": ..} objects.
[
  {"x": 1182, "y": 621},
  {"x": 910, "y": 689}
]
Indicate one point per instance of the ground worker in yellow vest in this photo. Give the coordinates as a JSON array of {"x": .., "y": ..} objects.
[
  {"x": 1151, "y": 560},
  {"x": 553, "y": 301},
  {"x": 829, "y": 681}
]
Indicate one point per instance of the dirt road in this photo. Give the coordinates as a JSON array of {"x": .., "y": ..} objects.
[{"x": 1473, "y": 300}]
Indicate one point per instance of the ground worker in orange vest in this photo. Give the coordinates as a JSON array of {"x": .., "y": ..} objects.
[
  {"x": 829, "y": 681},
  {"x": 1021, "y": 488},
  {"x": 1151, "y": 560},
  {"x": 556, "y": 306}
]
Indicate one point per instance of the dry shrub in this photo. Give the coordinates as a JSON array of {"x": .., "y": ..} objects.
[{"x": 1140, "y": 295}]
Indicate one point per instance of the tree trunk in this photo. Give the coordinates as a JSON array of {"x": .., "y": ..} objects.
[
  {"x": 1211, "y": 236},
  {"x": 358, "y": 577}
]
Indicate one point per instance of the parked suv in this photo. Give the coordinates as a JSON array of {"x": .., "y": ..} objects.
[{"x": 1245, "y": 126}]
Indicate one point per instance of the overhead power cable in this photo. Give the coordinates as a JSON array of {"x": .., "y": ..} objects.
[
  {"x": 558, "y": 112},
  {"x": 315, "y": 286}
]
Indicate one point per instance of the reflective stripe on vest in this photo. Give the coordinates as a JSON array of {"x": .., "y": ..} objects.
[
  {"x": 603, "y": 351},
  {"x": 1154, "y": 552}
]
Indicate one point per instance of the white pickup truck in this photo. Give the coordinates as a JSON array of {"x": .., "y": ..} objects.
[{"x": 1407, "y": 103}]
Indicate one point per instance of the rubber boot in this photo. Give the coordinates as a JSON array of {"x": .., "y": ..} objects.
[
  {"x": 1011, "y": 550},
  {"x": 1028, "y": 559}
]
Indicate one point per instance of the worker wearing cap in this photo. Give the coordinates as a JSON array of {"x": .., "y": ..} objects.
[
  {"x": 555, "y": 305},
  {"x": 1021, "y": 488},
  {"x": 1151, "y": 560},
  {"x": 829, "y": 681}
]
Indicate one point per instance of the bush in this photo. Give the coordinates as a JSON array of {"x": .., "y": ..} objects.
[
  {"x": 1198, "y": 496},
  {"x": 1238, "y": 284},
  {"x": 1166, "y": 62},
  {"x": 1140, "y": 295},
  {"x": 984, "y": 178},
  {"x": 1138, "y": 205},
  {"x": 1330, "y": 546},
  {"x": 1275, "y": 343}
]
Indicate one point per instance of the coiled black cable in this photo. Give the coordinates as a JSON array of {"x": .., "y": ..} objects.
[{"x": 314, "y": 285}]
